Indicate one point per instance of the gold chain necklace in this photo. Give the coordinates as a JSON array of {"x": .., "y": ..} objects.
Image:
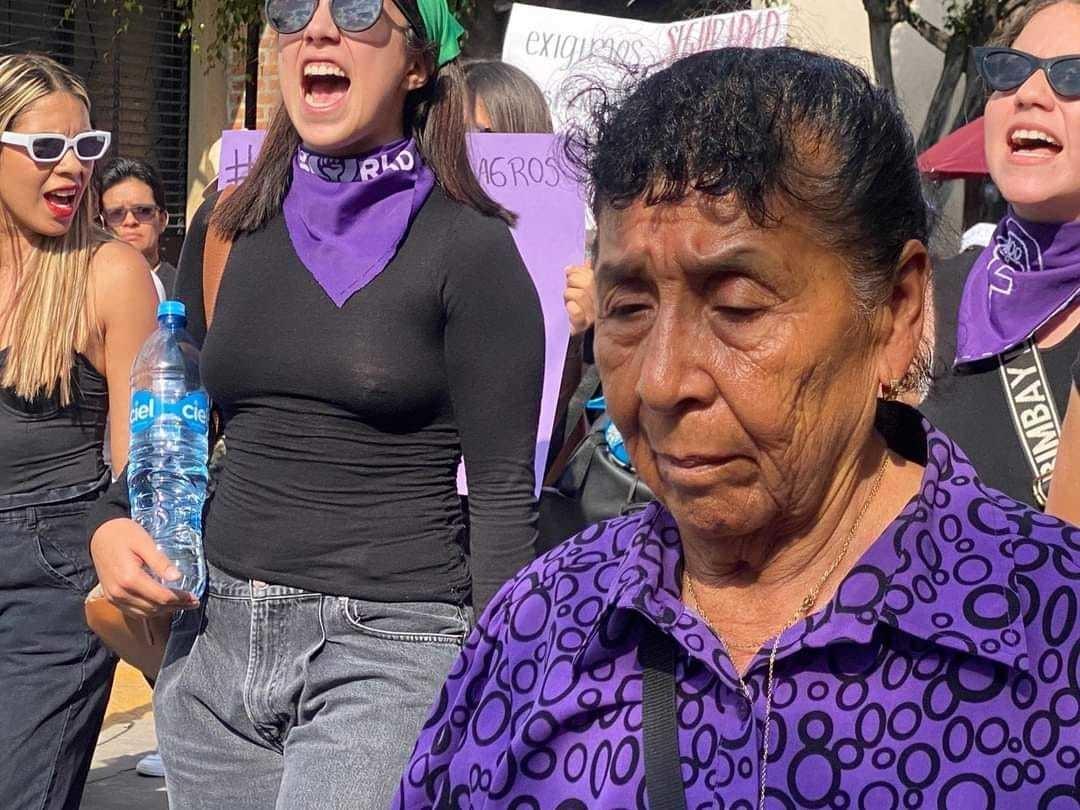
[{"x": 803, "y": 610}]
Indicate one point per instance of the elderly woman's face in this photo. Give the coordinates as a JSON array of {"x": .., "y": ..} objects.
[{"x": 734, "y": 360}]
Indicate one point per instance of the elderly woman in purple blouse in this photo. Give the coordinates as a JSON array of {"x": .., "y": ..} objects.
[{"x": 826, "y": 608}]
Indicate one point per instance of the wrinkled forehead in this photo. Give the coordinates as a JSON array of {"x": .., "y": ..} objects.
[
  {"x": 674, "y": 238},
  {"x": 634, "y": 226}
]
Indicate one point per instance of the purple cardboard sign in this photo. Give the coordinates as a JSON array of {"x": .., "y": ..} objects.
[
  {"x": 525, "y": 174},
  {"x": 239, "y": 148}
]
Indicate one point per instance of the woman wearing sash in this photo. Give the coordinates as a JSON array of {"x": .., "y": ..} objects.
[
  {"x": 1006, "y": 333},
  {"x": 374, "y": 323}
]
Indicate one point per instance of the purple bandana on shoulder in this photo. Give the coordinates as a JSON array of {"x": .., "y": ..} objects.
[
  {"x": 346, "y": 217},
  {"x": 1028, "y": 273}
]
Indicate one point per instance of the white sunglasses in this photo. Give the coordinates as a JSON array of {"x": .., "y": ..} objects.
[{"x": 50, "y": 147}]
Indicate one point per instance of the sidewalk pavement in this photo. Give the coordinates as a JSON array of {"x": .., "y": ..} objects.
[{"x": 127, "y": 734}]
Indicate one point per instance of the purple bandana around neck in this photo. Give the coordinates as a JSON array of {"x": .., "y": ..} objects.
[
  {"x": 346, "y": 217},
  {"x": 1028, "y": 273}
]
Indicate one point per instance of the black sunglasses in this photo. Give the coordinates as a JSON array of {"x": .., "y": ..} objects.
[
  {"x": 1005, "y": 69},
  {"x": 354, "y": 16}
]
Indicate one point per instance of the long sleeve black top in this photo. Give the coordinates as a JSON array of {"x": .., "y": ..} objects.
[{"x": 344, "y": 427}]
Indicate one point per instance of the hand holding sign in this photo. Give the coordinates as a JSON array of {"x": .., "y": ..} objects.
[{"x": 580, "y": 297}]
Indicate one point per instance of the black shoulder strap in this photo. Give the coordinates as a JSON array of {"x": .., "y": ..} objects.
[
  {"x": 663, "y": 775},
  {"x": 586, "y": 390}
]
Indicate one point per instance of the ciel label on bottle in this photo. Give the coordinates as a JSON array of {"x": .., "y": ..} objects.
[{"x": 193, "y": 410}]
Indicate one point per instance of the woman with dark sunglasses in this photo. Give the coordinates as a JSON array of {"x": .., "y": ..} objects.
[
  {"x": 133, "y": 209},
  {"x": 1007, "y": 315},
  {"x": 374, "y": 323},
  {"x": 74, "y": 308}
]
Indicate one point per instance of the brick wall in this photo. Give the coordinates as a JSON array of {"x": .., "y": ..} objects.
[
  {"x": 235, "y": 78},
  {"x": 268, "y": 94},
  {"x": 269, "y": 90}
]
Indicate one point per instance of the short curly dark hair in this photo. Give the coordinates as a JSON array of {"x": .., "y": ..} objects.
[{"x": 769, "y": 126}]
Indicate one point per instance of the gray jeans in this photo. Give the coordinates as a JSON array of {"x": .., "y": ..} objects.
[
  {"x": 274, "y": 697},
  {"x": 55, "y": 674}
]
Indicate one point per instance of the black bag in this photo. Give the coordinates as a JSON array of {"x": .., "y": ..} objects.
[{"x": 593, "y": 487}]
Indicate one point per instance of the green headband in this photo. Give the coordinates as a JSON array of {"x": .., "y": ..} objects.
[{"x": 442, "y": 28}]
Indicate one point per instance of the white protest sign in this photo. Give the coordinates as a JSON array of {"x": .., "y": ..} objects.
[{"x": 566, "y": 51}]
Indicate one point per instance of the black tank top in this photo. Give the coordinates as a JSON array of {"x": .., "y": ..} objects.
[{"x": 49, "y": 453}]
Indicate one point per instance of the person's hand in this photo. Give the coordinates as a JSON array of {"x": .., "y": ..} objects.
[
  {"x": 580, "y": 297},
  {"x": 122, "y": 551}
]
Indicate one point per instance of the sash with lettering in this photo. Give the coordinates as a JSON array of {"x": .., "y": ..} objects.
[
  {"x": 347, "y": 216},
  {"x": 1034, "y": 413}
]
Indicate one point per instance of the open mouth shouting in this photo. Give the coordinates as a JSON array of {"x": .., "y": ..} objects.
[
  {"x": 325, "y": 86},
  {"x": 62, "y": 202},
  {"x": 1033, "y": 145}
]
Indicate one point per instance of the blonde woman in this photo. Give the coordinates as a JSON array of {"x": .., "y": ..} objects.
[{"x": 74, "y": 308}]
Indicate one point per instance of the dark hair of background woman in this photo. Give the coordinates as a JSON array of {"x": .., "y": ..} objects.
[
  {"x": 513, "y": 101},
  {"x": 121, "y": 169},
  {"x": 436, "y": 114}
]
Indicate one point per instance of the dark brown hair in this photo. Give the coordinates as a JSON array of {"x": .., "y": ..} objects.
[
  {"x": 120, "y": 169},
  {"x": 1012, "y": 30},
  {"x": 435, "y": 114},
  {"x": 513, "y": 101}
]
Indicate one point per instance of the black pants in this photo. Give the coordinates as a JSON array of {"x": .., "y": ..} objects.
[{"x": 55, "y": 675}]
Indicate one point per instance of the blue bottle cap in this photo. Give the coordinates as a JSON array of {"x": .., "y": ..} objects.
[
  {"x": 596, "y": 404},
  {"x": 168, "y": 308}
]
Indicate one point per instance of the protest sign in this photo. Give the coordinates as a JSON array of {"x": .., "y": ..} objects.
[
  {"x": 567, "y": 51},
  {"x": 525, "y": 174},
  {"x": 239, "y": 148}
]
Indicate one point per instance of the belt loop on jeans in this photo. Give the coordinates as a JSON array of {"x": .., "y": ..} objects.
[{"x": 25, "y": 516}]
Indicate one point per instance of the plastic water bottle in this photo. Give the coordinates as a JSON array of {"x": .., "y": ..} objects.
[
  {"x": 612, "y": 437},
  {"x": 170, "y": 419}
]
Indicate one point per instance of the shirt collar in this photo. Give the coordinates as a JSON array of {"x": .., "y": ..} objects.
[
  {"x": 648, "y": 581},
  {"x": 941, "y": 572}
]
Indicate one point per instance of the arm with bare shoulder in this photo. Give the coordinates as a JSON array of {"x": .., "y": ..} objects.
[
  {"x": 125, "y": 302},
  {"x": 1064, "y": 500}
]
